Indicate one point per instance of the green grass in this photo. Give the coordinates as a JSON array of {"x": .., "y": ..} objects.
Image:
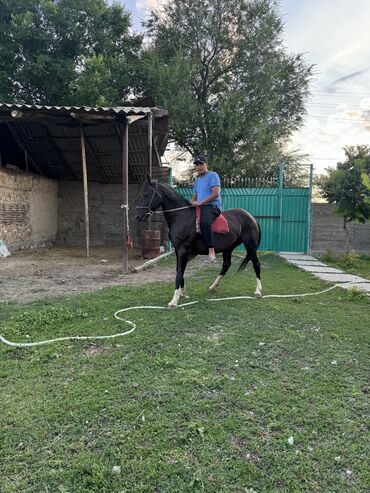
[
  {"x": 198, "y": 399},
  {"x": 351, "y": 263}
]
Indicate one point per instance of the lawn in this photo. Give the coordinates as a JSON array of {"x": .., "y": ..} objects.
[
  {"x": 359, "y": 265},
  {"x": 233, "y": 396}
]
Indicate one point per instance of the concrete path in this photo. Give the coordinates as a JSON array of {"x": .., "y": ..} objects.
[{"x": 325, "y": 273}]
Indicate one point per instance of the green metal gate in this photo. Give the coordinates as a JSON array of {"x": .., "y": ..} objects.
[{"x": 284, "y": 214}]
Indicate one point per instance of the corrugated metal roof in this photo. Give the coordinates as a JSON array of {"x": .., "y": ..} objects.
[
  {"x": 54, "y": 150},
  {"x": 124, "y": 110}
]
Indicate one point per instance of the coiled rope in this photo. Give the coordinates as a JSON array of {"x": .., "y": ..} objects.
[{"x": 148, "y": 307}]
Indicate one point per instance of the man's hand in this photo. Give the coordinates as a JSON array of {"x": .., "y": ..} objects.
[{"x": 196, "y": 203}]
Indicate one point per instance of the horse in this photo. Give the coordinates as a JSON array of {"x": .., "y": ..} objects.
[{"x": 180, "y": 216}]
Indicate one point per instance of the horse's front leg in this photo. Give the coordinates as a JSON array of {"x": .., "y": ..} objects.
[{"x": 182, "y": 260}]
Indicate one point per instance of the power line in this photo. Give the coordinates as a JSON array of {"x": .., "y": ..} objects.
[
  {"x": 341, "y": 92},
  {"x": 338, "y": 118}
]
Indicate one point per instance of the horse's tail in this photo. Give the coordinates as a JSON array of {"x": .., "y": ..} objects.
[{"x": 247, "y": 257}]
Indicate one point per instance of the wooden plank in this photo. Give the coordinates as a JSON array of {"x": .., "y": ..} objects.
[{"x": 86, "y": 196}]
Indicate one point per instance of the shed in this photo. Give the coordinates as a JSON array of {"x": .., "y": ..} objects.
[{"x": 108, "y": 146}]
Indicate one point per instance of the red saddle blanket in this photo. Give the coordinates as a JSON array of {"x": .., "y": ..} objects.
[{"x": 220, "y": 224}]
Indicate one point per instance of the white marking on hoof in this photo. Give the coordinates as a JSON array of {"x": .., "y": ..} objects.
[
  {"x": 175, "y": 299},
  {"x": 171, "y": 307},
  {"x": 215, "y": 285},
  {"x": 258, "y": 292}
]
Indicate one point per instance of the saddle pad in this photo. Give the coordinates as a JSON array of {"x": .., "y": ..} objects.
[{"x": 219, "y": 226}]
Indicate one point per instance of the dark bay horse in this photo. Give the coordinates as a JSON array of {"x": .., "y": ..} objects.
[{"x": 180, "y": 217}]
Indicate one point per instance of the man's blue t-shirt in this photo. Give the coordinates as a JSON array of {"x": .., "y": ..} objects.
[{"x": 203, "y": 188}]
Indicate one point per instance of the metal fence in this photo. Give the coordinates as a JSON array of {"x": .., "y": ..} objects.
[{"x": 284, "y": 214}]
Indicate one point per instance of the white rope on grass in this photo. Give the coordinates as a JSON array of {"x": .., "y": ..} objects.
[{"x": 153, "y": 307}]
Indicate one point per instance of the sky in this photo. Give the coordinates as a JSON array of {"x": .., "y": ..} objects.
[{"x": 334, "y": 36}]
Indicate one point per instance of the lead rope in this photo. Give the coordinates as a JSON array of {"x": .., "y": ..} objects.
[
  {"x": 129, "y": 241},
  {"x": 133, "y": 325}
]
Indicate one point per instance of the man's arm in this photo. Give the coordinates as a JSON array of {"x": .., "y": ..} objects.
[{"x": 215, "y": 193}]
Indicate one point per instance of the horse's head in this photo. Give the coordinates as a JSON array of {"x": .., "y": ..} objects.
[{"x": 149, "y": 200}]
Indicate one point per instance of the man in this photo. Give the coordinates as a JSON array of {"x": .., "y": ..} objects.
[{"x": 207, "y": 196}]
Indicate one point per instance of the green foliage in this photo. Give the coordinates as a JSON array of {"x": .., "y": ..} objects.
[
  {"x": 66, "y": 52},
  {"x": 222, "y": 71},
  {"x": 344, "y": 186}
]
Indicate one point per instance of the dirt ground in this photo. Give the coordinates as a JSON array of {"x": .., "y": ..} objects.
[{"x": 26, "y": 276}]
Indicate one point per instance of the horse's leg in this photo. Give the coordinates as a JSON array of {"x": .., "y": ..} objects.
[
  {"x": 257, "y": 270},
  {"x": 225, "y": 267},
  {"x": 182, "y": 260}
]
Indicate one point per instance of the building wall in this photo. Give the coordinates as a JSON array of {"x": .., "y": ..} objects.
[
  {"x": 28, "y": 209},
  {"x": 328, "y": 232},
  {"x": 105, "y": 214}
]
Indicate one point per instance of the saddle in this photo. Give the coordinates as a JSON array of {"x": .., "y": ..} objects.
[{"x": 219, "y": 226}]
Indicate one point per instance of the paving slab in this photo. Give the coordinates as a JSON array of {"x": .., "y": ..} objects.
[
  {"x": 307, "y": 262},
  {"x": 325, "y": 273},
  {"x": 296, "y": 256},
  {"x": 319, "y": 268},
  {"x": 339, "y": 278},
  {"x": 362, "y": 286}
]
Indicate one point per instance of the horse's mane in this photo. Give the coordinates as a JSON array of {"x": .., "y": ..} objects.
[{"x": 173, "y": 194}]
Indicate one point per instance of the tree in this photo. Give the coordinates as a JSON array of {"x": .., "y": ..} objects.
[
  {"x": 232, "y": 91},
  {"x": 345, "y": 187},
  {"x": 66, "y": 52}
]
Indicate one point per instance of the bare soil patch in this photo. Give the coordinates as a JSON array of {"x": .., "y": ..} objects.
[{"x": 26, "y": 276}]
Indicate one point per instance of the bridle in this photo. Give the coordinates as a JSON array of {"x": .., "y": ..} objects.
[{"x": 150, "y": 211}]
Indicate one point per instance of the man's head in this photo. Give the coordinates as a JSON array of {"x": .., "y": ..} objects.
[{"x": 201, "y": 166}]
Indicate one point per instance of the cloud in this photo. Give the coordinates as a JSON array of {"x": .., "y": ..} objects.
[
  {"x": 338, "y": 113},
  {"x": 345, "y": 78},
  {"x": 148, "y": 4}
]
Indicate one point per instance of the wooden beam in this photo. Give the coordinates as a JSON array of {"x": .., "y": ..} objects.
[
  {"x": 86, "y": 196},
  {"x": 125, "y": 196},
  {"x": 22, "y": 145}
]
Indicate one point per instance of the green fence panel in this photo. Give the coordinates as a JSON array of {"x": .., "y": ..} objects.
[{"x": 284, "y": 219}]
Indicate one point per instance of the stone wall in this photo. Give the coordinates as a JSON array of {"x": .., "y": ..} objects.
[
  {"x": 28, "y": 209},
  {"x": 328, "y": 232},
  {"x": 105, "y": 215}
]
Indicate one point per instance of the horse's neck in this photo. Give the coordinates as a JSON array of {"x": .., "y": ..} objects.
[{"x": 172, "y": 200}]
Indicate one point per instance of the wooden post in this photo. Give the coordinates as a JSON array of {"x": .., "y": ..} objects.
[
  {"x": 150, "y": 144},
  {"x": 86, "y": 197},
  {"x": 125, "y": 195},
  {"x": 150, "y": 154}
]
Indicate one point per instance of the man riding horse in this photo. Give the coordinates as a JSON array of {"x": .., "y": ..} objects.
[{"x": 207, "y": 196}]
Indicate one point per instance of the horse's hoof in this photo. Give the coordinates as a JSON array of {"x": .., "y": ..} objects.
[
  {"x": 212, "y": 290},
  {"x": 171, "y": 307},
  {"x": 258, "y": 295}
]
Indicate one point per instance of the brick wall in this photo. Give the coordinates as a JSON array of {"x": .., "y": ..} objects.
[
  {"x": 106, "y": 227},
  {"x": 28, "y": 209},
  {"x": 328, "y": 232}
]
